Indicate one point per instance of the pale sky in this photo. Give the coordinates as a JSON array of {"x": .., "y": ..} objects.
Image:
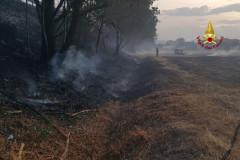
[{"x": 188, "y": 19}]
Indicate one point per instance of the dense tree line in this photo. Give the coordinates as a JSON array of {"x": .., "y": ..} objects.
[{"x": 94, "y": 25}]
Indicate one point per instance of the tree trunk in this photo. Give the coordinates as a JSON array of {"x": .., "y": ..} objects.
[
  {"x": 66, "y": 7},
  {"x": 100, "y": 30},
  {"x": 48, "y": 40},
  {"x": 85, "y": 33},
  {"x": 73, "y": 26},
  {"x": 27, "y": 28},
  {"x": 77, "y": 15},
  {"x": 118, "y": 42}
]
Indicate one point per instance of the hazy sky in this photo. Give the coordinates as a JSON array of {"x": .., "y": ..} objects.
[{"x": 189, "y": 18}]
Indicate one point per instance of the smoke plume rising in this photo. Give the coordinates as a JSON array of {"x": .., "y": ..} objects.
[{"x": 74, "y": 67}]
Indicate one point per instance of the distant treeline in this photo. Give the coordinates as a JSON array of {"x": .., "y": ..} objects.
[{"x": 227, "y": 44}]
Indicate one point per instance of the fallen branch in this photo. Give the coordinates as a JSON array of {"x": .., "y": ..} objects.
[
  {"x": 21, "y": 151},
  {"x": 14, "y": 112},
  {"x": 12, "y": 100},
  {"x": 49, "y": 121},
  {"x": 83, "y": 111},
  {"x": 227, "y": 153},
  {"x": 64, "y": 155},
  {"x": 19, "y": 156}
]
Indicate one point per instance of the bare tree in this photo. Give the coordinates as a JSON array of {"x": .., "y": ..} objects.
[
  {"x": 47, "y": 12},
  {"x": 66, "y": 8},
  {"x": 117, "y": 41},
  {"x": 100, "y": 29},
  {"x": 28, "y": 42},
  {"x": 45, "y": 40},
  {"x": 76, "y": 16}
]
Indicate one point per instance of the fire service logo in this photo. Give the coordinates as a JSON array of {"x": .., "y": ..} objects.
[{"x": 210, "y": 38}]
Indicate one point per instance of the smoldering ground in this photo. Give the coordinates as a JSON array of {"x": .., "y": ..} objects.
[
  {"x": 73, "y": 76},
  {"x": 73, "y": 67},
  {"x": 109, "y": 74}
]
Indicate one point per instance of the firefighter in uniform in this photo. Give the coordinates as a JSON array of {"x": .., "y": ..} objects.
[{"x": 157, "y": 52}]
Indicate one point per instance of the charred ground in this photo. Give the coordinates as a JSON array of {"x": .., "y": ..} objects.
[{"x": 175, "y": 108}]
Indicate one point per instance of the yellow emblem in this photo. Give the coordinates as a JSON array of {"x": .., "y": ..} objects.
[{"x": 210, "y": 37}]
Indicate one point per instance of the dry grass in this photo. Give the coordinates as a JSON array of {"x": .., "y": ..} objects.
[
  {"x": 163, "y": 125},
  {"x": 194, "y": 120}
]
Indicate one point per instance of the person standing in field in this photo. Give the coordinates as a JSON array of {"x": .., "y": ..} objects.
[{"x": 157, "y": 52}]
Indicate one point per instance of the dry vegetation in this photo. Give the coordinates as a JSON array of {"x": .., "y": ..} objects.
[{"x": 179, "y": 108}]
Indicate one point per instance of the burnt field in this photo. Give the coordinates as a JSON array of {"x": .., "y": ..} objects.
[{"x": 175, "y": 107}]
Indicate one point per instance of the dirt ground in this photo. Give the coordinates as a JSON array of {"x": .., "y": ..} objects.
[{"x": 178, "y": 108}]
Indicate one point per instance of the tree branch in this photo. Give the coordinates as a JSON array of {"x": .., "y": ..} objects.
[
  {"x": 59, "y": 27},
  {"x": 59, "y": 34},
  {"x": 37, "y": 2},
  {"x": 60, "y": 17},
  {"x": 39, "y": 11},
  {"x": 57, "y": 9},
  {"x": 123, "y": 45},
  {"x": 92, "y": 9}
]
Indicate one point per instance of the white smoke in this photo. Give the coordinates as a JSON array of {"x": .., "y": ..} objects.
[
  {"x": 234, "y": 52},
  {"x": 74, "y": 67},
  {"x": 145, "y": 47},
  {"x": 32, "y": 87}
]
